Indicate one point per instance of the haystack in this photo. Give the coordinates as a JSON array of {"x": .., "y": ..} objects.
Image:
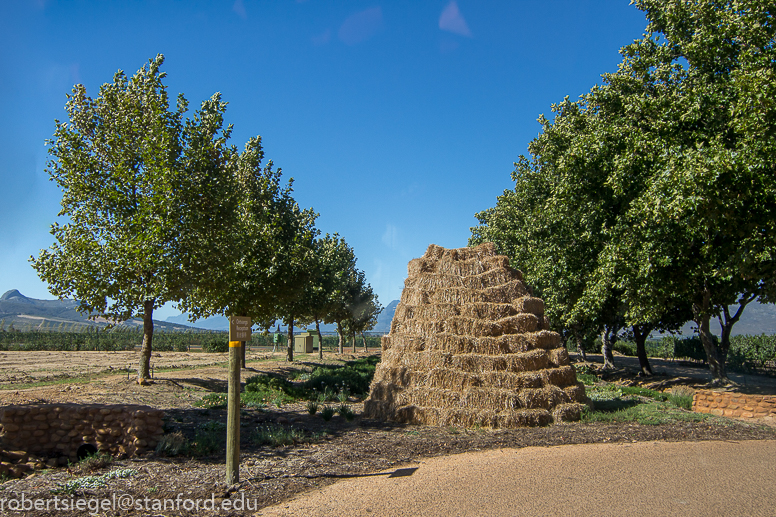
[{"x": 469, "y": 345}]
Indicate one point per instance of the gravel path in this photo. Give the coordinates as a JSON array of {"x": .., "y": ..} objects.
[{"x": 645, "y": 479}]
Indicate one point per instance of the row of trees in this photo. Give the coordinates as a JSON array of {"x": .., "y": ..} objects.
[
  {"x": 651, "y": 200},
  {"x": 161, "y": 208}
]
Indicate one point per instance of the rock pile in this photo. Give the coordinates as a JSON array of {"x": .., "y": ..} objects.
[{"x": 59, "y": 430}]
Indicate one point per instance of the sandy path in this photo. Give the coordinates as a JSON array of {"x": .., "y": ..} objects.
[{"x": 645, "y": 479}]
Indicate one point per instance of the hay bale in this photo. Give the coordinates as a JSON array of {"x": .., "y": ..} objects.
[{"x": 470, "y": 345}]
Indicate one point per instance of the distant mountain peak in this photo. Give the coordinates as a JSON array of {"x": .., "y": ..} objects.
[{"x": 13, "y": 293}]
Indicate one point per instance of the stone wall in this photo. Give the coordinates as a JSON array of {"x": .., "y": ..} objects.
[
  {"x": 58, "y": 430},
  {"x": 735, "y": 405}
]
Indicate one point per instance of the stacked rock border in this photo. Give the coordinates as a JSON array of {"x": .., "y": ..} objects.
[
  {"x": 58, "y": 431},
  {"x": 735, "y": 405},
  {"x": 470, "y": 345}
]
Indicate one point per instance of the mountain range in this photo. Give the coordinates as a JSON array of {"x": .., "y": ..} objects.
[{"x": 29, "y": 313}]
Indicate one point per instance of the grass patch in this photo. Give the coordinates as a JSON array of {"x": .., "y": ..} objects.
[
  {"x": 651, "y": 413},
  {"x": 613, "y": 403},
  {"x": 278, "y": 436}
]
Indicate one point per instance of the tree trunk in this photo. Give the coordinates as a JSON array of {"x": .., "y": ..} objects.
[
  {"x": 716, "y": 362},
  {"x": 580, "y": 345},
  {"x": 144, "y": 368},
  {"x": 320, "y": 339},
  {"x": 606, "y": 350},
  {"x": 340, "y": 343},
  {"x": 353, "y": 340},
  {"x": 640, "y": 333},
  {"x": 290, "y": 347},
  {"x": 363, "y": 339}
]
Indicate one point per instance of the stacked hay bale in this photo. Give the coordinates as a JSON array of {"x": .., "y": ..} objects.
[{"x": 470, "y": 345}]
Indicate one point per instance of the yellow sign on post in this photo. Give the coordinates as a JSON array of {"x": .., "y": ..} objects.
[{"x": 239, "y": 329}]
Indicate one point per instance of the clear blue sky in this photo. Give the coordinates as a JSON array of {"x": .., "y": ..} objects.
[{"x": 397, "y": 120}]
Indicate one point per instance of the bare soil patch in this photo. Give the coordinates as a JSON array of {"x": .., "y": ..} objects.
[{"x": 339, "y": 449}]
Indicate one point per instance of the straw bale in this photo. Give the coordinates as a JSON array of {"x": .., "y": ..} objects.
[
  {"x": 425, "y": 360},
  {"x": 576, "y": 392},
  {"x": 428, "y": 397},
  {"x": 420, "y": 265},
  {"x": 527, "y": 361},
  {"x": 383, "y": 391},
  {"x": 409, "y": 342},
  {"x": 469, "y": 345},
  {"x": 447, "y": 342},
  {"x": 401, "y": 376},
  {"x": 544, "y": 323},
  {"x": 489, "y": 345},
  {"x": 558, "y": 357},
  {"x": 427, "y": 312},
  {"x": 462, "y": 254},
  {"x": 379, "y": 410},
  {"x": 491, "y": 398},
  {"x": 385, "y": 342},
  {"x": 545, "y": 339},
  {"x": 434, "y": 252},
  {"x": 570, "y": 412},
  {"x": 519, "y": 324},
  {"x": 463, "y": 417},
  {"x": 497, "y": 261},
  {"x": 461, "y": 268},
  {"x": 511, "y": 380},
  {"x": 416, "y": 327},
  {"x": 529, "y": 304},
  {"x": 447, "y": 378},
  {"x": 545, "y": 398},
  {"x": 489, "y": 311},
  {"x": 506, "y": 344},
  {"x": 462, "y": 326},
  {"x": 477, "y": 362},
  {"x": 562, "y": 376}
]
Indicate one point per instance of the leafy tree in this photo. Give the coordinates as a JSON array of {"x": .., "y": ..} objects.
[
  {"x": 144, "y": 193},
  {"x": 364, "y": 310},
  {"x": 332, "y": 259},
  {"x": 269, "y": 249},
  {"x": 696, "y": 98}
]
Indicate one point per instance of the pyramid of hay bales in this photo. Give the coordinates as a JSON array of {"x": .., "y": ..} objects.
[{"x": 470, "y": 345}]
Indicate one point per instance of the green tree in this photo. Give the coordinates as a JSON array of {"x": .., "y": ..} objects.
[
  {"x": 333, "y": 259},
  {"x": 696, "y": 95},
  {"x": 145, "y": 193},
  {"x": 269, "y": 251}
]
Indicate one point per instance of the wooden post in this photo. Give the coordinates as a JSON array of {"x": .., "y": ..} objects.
[
  {"x": 233, "y": 415},
  {"x": 239, "y": 333}
]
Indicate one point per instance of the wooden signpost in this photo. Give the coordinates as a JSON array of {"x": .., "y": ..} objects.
[{"x": 239, "y": 333}]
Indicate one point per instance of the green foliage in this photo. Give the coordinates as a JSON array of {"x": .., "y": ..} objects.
[
  {"x": 79, "y": 485},
  {"x": 327, "y": 413},
  {"x": 209, "y": 438},
  {"x": 145, "y": 195},
  {"x": 354, "y": 376},
  {"x": 654, "y": 193},
  {"x": 312, "y": 406},
  {"x": 172, "y": 444},
  {"x": 748, "y": 352},
  {"x": 277, "y": 436},
  {"x": 345, "y": 411}
]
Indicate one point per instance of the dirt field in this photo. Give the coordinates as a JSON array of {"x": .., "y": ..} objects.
[{"x": 342, "y": 449}]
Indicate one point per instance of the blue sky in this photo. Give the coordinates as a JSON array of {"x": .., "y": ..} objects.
[{"x": 397, "y": 120}]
